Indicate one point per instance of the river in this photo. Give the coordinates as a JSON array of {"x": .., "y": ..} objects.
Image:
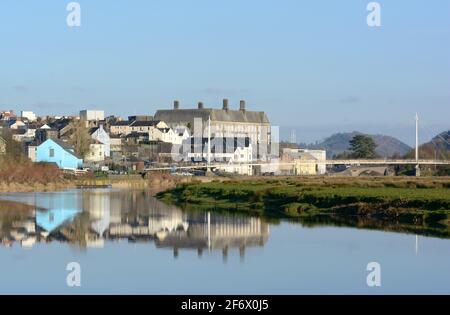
[{"x": 128, "y": 242}]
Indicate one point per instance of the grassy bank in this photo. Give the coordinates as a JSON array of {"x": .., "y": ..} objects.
[{"x": 399, "y": 199}]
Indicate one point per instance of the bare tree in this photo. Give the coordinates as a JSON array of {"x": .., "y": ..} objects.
[{"x": 80, "y": 137}]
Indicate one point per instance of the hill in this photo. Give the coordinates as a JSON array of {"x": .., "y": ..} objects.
[
  {"x": 437, "y": 148},
  {"x": 387, "y": 146}
]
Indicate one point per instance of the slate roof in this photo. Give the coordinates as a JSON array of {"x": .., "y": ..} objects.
[
  {"x": 120, "y": 123},
  {"x": 60, "y": 123},
  {"x": 136, "y": 135},
  {"x": 184, "y": 115},
  {"x": 66, "y": 146},
  {"x": 144, "y": 123}
]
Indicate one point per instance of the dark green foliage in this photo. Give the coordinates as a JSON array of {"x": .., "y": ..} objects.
[{"x": 362, "y": 147}]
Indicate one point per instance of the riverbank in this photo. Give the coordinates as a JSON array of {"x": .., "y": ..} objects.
[
  {"x": 155, "y": 181},
  {"x": 408, "y": 200}
]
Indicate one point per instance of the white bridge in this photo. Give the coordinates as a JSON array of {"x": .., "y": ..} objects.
[{"x": 350, "y": 162}]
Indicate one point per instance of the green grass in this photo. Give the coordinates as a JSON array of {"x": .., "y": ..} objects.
[{"x": 421, "y": 200}]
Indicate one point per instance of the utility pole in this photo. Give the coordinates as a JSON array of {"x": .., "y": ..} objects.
[{"x": 417, "y": 146}]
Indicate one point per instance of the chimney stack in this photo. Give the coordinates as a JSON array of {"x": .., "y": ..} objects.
[
  {"x": 225, "y": 104},
  {"x": 176, "y": 105},
  {"x": 200, "y": 105},
  {"x": 242, "y": 105}
]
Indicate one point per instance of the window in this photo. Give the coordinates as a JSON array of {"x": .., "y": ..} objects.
[{"x": 51, "y": 152}]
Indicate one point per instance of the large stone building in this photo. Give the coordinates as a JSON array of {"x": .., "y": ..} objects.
[{"x": 225, "y": 122}]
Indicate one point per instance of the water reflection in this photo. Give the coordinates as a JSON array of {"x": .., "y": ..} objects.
[{"x": 91, "y": 217}]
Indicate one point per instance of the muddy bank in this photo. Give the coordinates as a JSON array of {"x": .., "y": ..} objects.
[{"x": 157, "y": 182}]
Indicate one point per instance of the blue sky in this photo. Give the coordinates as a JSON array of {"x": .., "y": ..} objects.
[{"x": 313, "y": 66}]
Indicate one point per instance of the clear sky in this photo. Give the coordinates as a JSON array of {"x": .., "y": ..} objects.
[{"x": 314, "y": 66}]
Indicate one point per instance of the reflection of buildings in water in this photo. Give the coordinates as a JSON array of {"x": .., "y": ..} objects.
[
  {"x": 217, "y": 232},
  {"x": 157, "y": 217},
  {"x": 90, "y": 217},
  {"x": 20, "y": 231},
  {"x": 97, "y": 204},
  {"x": 51, "y": 220}
]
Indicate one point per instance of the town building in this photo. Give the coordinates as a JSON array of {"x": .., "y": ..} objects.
[
  {"x": 119, "y": 127},
  {"x": 115, "y": 143},
  {"x": 224, "y": 122},
  {"x": 19, "y": 135},
  {"x": 233, "y": 155},
  {"x": 96, "y": 152},
  {"x": 99, "y": 134},
  {"x": 15, "y": 124},
  {"x": 145, "y": 126},
  {"x": 89, "y": 115},
  {"x": 140, "y": 118},
  {"x": 58, "y": 152},
  {"x": 43, "y": 134},
  {"x": 7, "y": 115},
  {"x": 306, "y": 162},
  {"x": 28, "y": 115}
]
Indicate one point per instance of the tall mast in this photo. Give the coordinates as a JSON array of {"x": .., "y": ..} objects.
[
  {"x": 417, "y": 137},
  {"x": 417, "y": 146},
  {"x": 209, "y": 140}
]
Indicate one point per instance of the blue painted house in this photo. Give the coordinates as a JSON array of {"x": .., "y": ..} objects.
[{"x": 58, "y": 152}]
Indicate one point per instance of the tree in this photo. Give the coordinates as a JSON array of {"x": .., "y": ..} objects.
[
  {"x": 14, "y": 150},
  {"x": 80, "y": 138},
  {"x": 363, "y": 147}
]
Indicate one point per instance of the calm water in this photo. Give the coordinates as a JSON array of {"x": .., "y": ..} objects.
[{"x": 128, "y": 242}]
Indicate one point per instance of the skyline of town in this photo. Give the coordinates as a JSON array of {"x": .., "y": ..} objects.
[
  {"x": 137, "y": 59},
  {"x": 306, "y": 134}
]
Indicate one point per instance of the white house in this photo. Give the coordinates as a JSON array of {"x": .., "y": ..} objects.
[
  {"x": 233, "y": 155},
  {"x": 182, "y": 133},
  {"x": 96, "y": 152},
  {"x": 146, "y": 126},
  {"x": 16, "y": 124},
  {"x": 169, "y": 135},
  {"x": 307, "y": 162},
  {"x": 99, "y": 134}
]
